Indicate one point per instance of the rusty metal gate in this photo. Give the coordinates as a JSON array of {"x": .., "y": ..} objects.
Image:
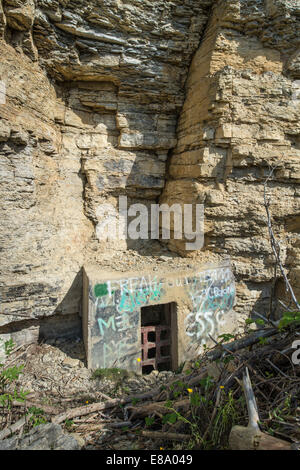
[{"x": 154, "y": 339}]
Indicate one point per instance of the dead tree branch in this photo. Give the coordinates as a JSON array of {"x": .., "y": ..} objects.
[{"x": 274, "y": 243}]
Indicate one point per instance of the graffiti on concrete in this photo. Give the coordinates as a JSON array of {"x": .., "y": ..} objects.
[
  {"x": 128, "y": 295},
  {"x": 119, "y": 353},
  {"x": 117, "y": 313},
  {"x": 212, "y": 295},
  {"x": 101, "y": 290},
  {"x": 115, "y": 335},
  {"x": 117, "y": 307}
]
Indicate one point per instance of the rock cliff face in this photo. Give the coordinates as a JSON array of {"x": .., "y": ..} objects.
[
  {"x": 239, "y": 119},
  {"x": 170, "y": 101}
]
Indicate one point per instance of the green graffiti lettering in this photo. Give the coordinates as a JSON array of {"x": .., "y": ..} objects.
[
  {"x": 100, "y": 290},
  {"x": 109, "y": 324}
]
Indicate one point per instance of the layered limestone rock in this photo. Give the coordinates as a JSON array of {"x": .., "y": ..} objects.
[
  {"x": 172, "y": 101},
  {"x": 241, "y": 119},
  {"x": 94, "y": 90}
]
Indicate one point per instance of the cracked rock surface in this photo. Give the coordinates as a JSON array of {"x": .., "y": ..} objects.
[{"x": 164, "y": 101}]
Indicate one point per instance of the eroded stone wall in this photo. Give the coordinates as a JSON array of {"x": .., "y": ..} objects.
[
  {"x": 240, "y": 119},
  {"x": 171, "y": 101},
  {"x": 94, "y": 90}
]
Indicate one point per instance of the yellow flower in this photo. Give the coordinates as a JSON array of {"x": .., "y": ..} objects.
[
  {"x": 190, "y": 390},
  {"x": 87, "y": 402},
  {"x": 161, "y": 448},
  {"x": 221, "y": 386},
  {"x": 139, "y": 359}
]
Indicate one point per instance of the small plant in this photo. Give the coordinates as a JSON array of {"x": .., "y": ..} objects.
[
  {"x": 37, "y": 416},
  {"x": 180, "y": 368},
  {"x": 116, "y": 376},
  {"x": 268, "y": 374},
  {"x": 175, "y": 416},
  {"x": 170, "y": 417},
  {"x": 263, "y": 341},
  {"x": 258, "y": 321},
  {"x": 149, "y": 421},
  {"x": 8, "y": 377},
  {"x": 177, "y": 388},
  {"x": 289, "y": 318},
  {"x": 227, "y": 416},
  {"x": 196, "y": 399},
  {"x": 9, "y": 391},
  {"x": 282, "y": 411},
  {"x": 226, "y": 337},
  {"x": 69, "y": 424},
  {"x": 134, "y": 401},
  {"x": 207, "y": 383}
]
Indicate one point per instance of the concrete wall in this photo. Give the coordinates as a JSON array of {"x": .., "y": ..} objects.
[{"x": 112, "y": 305}]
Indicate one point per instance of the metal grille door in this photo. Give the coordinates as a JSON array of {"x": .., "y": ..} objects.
[{"x": 153, "y": 346}]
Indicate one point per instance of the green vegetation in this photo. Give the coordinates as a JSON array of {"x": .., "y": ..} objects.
[
  {"x": 9, "y": 392},
  {"x": 289, "y": 319},
  {"x": 208, "y": 421},
  {"x": 37, "y": 416}
]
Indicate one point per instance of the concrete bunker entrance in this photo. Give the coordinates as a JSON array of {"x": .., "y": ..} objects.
[
  {"x": 159, "y": 339},
  {"x": 155, "y": 321}
]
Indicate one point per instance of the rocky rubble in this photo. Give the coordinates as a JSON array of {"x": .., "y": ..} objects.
[
  {"x": 43, "y": 437},
  {"x": 57, "y": 371},
  {"x": 56, "y": 378}
]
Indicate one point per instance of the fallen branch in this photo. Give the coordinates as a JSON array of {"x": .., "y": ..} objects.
[
  {"x": 241, "y": 343},
  {"x": 85, "y": 410},
  {"x": 275, "y": 245},
  {"x": 142, "y": 411},
  {"x": 51, "y": 410},
  {"x": 14, "y": 427},
  {"x": 166, "y": 436},
  {"x": 86, "y": 428},
  {"x": 121, "y": 424},
  {"x": 250, "y": 437}
]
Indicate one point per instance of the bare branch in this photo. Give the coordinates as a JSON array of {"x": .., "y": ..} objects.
[{"x": 274, "y": 243}]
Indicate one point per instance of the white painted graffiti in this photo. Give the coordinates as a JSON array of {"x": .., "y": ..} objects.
[
  {"x": 210, "y": 304},
  {"x": 132, "y": 284},
  {"x": 211, "y": 292},
  {"x": 117, "y": 352}
]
